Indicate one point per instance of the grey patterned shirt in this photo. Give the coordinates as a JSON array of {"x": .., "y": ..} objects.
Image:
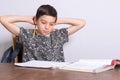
[{"x": 46, "y": 48}]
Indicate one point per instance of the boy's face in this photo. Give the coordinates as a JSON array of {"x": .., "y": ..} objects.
[{"x": 45, "y": 24}]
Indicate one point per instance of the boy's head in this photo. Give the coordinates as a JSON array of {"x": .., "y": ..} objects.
[
  {"x": 45, "y": 19},
  {"x": 46, "y": 10}
]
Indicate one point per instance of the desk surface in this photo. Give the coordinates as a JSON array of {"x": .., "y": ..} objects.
[{"x": 11, "y": 72}]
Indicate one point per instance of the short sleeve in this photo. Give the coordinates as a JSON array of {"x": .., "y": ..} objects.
[
  {"x": 22, "y": 35},
  {"x": 62, "y": 35}
]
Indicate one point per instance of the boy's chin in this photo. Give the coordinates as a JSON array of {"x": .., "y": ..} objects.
[{"x": 46, "y": 34}]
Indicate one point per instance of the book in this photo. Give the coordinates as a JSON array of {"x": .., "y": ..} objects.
[
  {"x": 92, "y": 65},
  {"x": 83, "y": 65}
]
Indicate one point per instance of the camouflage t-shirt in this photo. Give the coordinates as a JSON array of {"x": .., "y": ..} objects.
[{"x": 45, "y": 48}]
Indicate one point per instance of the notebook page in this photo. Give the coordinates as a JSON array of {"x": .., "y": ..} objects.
[{"x": 42, "y": 64}]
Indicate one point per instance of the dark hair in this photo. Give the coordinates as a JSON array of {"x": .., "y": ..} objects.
[{"x": 46, "y": 10}]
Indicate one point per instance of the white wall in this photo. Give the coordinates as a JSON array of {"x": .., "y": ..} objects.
[{"x": 100, "y": 38}]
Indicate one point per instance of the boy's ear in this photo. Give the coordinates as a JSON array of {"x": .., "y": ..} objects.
[{"x": 34, "y": 19}]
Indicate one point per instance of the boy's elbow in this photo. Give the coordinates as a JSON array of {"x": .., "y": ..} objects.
[
  {"x": 83, "y": 23},
  {"x": 2, "y": 19}
]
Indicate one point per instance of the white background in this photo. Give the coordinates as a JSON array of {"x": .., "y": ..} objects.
[{"x": 100, "y": 38}]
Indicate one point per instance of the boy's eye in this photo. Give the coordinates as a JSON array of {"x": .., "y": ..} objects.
[
  {"x": 43, "y": 22},
  {"x": 52, "y": 24}
]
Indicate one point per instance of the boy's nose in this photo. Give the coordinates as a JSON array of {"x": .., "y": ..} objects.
[{"x": 47, "y": 27}]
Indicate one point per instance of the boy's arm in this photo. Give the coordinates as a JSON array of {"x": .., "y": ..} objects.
[
  {"x": 9, "y": 22},
  {"x": 76, "y": 24}
]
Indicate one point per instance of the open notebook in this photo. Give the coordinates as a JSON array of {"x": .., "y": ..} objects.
[
  {"x": 42, "y": 64},
  {"x": 84, "y": 65}
]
